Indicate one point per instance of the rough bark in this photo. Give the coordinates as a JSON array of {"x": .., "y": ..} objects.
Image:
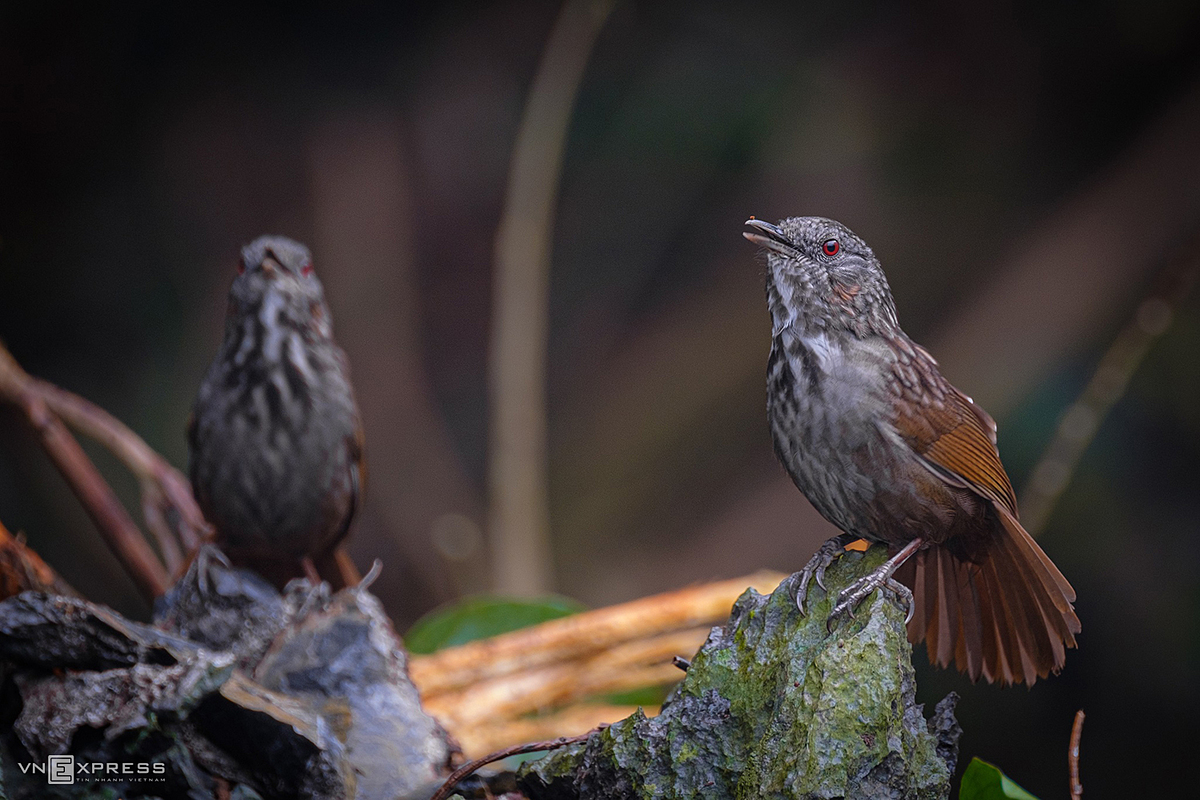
[{"x": 775, "y": 706}]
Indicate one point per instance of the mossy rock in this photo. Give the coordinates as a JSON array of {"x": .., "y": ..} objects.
[{"x": 775, "y": 706}]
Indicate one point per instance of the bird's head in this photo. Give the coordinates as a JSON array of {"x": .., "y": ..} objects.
[
  {"x": 276, "y": 282},
  {"x": 820, "y": 274}
]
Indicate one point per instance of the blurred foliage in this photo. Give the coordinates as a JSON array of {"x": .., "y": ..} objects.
[
  {"x": 646, "y": 697},
  {"x": 983, "y": 781},
  {"x": 479, "y": 617}
]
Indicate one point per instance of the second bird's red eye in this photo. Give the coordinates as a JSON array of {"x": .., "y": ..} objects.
[
  {"x": 831, "y": 247},
  {"x": 307, "y": 270},
  {"x": 241, "y": 267}
]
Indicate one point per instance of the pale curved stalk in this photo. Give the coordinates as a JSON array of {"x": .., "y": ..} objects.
[{"x": 518, "y": 513}]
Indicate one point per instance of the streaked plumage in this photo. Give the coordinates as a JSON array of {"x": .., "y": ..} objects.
[
  {"x": 276, "y": 444},
  {"x": 887, "y": 450}
]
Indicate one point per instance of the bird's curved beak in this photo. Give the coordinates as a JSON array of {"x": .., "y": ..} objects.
[
  {"x": 769, "y": 236},
  {"x": 271, "y": 268}
]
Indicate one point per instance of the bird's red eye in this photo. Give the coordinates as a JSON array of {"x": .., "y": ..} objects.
[
  {"x": 831, "y": 247},
  {"x": 307, "y": 269},
  {"x": 241, "y": 267}
]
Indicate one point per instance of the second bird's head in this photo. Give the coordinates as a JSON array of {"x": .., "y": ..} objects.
[{"x": 277, "y": 283}]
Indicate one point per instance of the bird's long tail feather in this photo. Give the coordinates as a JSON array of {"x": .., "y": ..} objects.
[{"x": 1006, "y": 618}]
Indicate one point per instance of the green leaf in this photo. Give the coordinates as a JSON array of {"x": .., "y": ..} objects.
[
  {"x": 983, "y": 781},
  {"x": 480, "y": 617},
  {"x": 645, "y": 697}
]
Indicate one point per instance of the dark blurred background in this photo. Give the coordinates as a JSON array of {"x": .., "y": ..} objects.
[{"x": 1023, "y": 170}]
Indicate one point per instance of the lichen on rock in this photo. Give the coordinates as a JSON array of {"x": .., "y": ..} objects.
[{"x": 775, "y": 706}]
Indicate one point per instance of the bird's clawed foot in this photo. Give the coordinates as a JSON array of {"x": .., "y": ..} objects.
[
  {"x": 861, "y": 589},
  {"x": 881, "y": 578},
  {"x": 829, "y": 552}
]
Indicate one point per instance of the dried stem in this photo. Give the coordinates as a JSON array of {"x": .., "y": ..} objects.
[
  {"x": 96, "y": 496},
  {"x": 533, "y": 747},
  {"x": 581, "y": 635},
  {"x": 518, "y": 516},
  {"x": 625, "y": 667},
  {"x": 1078, "y": 426},
  {"x": 1073, "y": 756},
  {"x": 544, "y": 680}
]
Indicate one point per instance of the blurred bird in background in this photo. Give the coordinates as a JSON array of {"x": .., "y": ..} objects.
[{"x": 276, "y": 441}]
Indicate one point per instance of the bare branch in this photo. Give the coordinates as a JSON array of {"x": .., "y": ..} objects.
[
  {"x": 532, "y": 747},
  {"x": 1073, "y": 756},
  {"x": 168, "y": 506},
  {"x": 96, "y": 496},
  {"x": 568, "y": 721}
]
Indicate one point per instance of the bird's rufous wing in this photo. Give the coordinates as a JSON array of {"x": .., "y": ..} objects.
[{"x": 953, "y": 436}]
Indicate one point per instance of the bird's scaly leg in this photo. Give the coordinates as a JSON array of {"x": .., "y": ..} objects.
[{"x": 858, "y": 591}]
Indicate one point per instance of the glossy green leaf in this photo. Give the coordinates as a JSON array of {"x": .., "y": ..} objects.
[
  {"x": 482, "y": 616},
  {"x": 984, "y": 781}
]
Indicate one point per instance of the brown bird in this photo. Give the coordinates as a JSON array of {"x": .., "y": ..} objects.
[
  {"x": 888, "y": 451},
  {"x": 276, "y": 442}
]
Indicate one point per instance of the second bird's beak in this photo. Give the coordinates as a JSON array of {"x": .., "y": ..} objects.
[
  {"x": 769, "y": 236},
  {"x": 270, "y": 267}
]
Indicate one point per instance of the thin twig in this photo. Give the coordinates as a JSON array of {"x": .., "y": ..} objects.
[
  {"x": 168, "y": 506},
  {"x": 516, "y": 750},
  {"x": 1073, "y": 756},
  {"x": 96, "y": 496},
  {"x": 569, "y": 721},
  {"x": 1078, "y": 426},
  {"x": 518, "y": 513}
]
